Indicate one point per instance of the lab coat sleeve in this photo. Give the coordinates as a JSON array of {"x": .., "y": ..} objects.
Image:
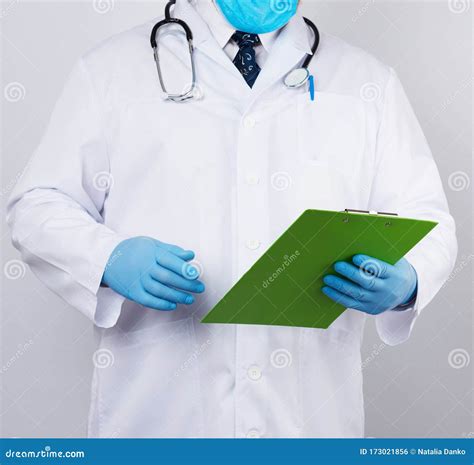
[
  {"x": 55, "y": 210},
  {"x": 407, "y": 181}
]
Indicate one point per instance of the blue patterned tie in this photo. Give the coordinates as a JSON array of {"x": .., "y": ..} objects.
[{"x": 245, "y": 59}]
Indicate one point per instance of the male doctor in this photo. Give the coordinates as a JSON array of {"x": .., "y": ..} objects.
[{"x": 127, "y": 187}]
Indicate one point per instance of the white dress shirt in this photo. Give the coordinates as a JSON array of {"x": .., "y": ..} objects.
[{"x": 222, "y": 31}]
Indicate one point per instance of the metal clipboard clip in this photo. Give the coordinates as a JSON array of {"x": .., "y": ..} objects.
[{"x": 368, "y": 212}]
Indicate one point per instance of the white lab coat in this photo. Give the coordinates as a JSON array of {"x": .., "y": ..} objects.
[{"x": 224, "y": 176}]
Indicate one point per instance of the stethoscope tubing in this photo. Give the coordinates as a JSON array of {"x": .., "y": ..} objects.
[{"x": 314, "y": 46}]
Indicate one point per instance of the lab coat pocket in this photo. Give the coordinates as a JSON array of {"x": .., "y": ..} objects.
[
  {"x": 151, "y": 371},
  {"x": 331, "y": 130}
]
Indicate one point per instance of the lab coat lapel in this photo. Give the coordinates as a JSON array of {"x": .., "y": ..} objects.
[
  {"x": 204, "y": 41},
  {"x": 288, "y": 51}
]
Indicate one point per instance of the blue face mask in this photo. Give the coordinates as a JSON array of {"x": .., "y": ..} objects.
[{"x": 257, "y": 16}]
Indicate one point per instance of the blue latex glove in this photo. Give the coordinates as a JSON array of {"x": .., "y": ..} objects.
[
  {"x": 372, "y": 286},
  {"x": 152, "y": 273}
]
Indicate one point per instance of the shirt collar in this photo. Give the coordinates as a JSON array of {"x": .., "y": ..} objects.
[{"x": 221, "y": 29}]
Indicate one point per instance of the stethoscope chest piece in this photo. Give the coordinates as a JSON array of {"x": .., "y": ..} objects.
[{"x": 296, "y": 78}]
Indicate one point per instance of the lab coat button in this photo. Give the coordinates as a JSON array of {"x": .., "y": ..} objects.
[
  {"x": 254, "y": 373},
  {"x": 253, "y": 244},
  {"x": 249, "y": 122},
  {"x": 253, "y": 434},
  {"x": 252, "y": 179}
]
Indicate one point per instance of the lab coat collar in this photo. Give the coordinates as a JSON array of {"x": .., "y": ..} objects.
[
  {"x": 185, "y": 10},
  {"x": 221, "y": 29},
  {"x": 289, "y": 50},
  {"x": 204, "y": 40},
  {"x": 298, "y": 32},
  {"x": 268, "y": 39}
]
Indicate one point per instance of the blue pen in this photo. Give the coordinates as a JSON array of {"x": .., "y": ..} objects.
[{"x": 311, "y": 87}]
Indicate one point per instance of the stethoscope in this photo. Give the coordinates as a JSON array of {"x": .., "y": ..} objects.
[{"x": 294, "y": 79}]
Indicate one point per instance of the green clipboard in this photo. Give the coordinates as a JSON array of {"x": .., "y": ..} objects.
[{"x": 283, "y": 287}]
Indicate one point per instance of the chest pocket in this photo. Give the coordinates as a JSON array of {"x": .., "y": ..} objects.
[
  {"x": 331, "y": 131},
  {"x": 326, "y": 142}
]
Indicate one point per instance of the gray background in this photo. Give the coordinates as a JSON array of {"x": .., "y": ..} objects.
[{"x": 422, "y": 388}]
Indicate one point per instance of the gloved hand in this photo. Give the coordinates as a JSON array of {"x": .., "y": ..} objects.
[
  {"x": 152, "y": 273},
  {"x": 372, "y": 286}
]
